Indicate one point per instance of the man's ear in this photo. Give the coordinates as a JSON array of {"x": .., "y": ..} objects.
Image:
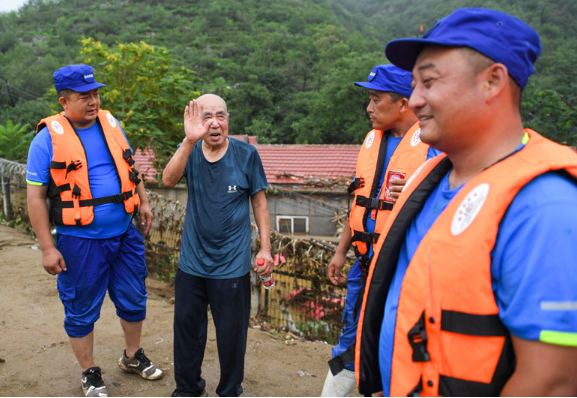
[
  {"x": 403, "y": 105},
  {"x": 64, "y": 102},
  {"x": 495, "y": 79}
]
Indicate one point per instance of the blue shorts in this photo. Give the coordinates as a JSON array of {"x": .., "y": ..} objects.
[
  {"x": 95, "y": 265},
  {"x": 349, "y": 335}
]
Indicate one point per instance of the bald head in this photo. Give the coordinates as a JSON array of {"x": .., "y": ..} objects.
[{"x": 212, "y": 100}]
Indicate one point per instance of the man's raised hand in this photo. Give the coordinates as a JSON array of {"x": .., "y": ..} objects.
[{"x": 194, "y": 127}]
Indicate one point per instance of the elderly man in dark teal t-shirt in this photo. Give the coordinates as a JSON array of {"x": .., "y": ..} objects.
[{"x": 214, "y": 264}]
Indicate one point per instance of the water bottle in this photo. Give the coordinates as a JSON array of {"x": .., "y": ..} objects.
[{"x": 267, "y": 281}]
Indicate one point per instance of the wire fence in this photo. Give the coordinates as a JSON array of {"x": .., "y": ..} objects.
[{"x": 303, "y": 302}]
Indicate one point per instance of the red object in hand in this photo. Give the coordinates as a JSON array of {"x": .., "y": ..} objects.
[{"x": 267, "y": 281}]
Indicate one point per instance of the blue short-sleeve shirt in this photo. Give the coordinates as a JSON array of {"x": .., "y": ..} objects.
[
  {"x": 110, "y": 219},
  {"x": 216, "y": 237}
]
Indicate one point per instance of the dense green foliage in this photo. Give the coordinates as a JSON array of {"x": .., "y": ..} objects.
[
  {"x": 14, "y": 141},
  {"x": 285, "y": 68},
  {"x": 145, "y": 91}
]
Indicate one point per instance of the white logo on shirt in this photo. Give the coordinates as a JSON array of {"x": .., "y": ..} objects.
[
  {"x": 57, "y": 127},
  {"x": 469, "y": 208},
  {"x": 416, "y": 138},
  {"x": 111, "y": 120},
  {"x": 370, "y": 139},
  {"x": 232, "y": 189}
]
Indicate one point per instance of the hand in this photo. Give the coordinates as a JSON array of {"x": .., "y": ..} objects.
[
  {"x": 396, "y": 188},
  {"x": 335, "y": 267},
  {"x": 194, "y": 126},
  {"x": 266, "y": 269},
  {"x": 145, "y": 217},
  {"x": 52, "y": 261}
]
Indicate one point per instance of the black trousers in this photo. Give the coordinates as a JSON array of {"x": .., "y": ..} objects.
[{"x": 229, "y": 301}]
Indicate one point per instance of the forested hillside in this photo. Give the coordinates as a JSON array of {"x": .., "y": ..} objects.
[{"x": 285, "y": 67}]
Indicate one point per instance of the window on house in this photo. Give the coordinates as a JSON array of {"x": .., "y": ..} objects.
[{"x": 292, "y": 224}]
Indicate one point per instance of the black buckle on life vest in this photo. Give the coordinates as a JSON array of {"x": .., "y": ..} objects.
[
  {"x": 74, "y": 165},
  {"x": 133, "y": 175},
  {"x": 418, "y": 340},
  {"x": 373, "y": 203},
  {"x": 356, "y": 184},
  {"x": 76, "y": 192},
  {"x": 127, "y": 155},
  {"x": 366, "y": 237}
]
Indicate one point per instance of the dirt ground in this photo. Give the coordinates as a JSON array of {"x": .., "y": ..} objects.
[{"x": 37, "y": 360}]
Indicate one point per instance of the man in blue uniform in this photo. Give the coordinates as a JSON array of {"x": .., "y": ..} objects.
[
  {"x": 389, "y": 90},
  {"x": 222, "y": 176},
  {"x": 104, "y": 255},
  {"x": 469, "y": 72}
]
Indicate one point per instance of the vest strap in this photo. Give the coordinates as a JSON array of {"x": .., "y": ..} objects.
[
  {"x": 373, "y": 203},
  {"x": 63, "y": 188},
  {"x": 366, "y": 237},
  {"x": 119, "y": 198},
  {"x": 57, "y": 165},
  {"x": 472, "y": 324},
  {"x": 356, "y": 184},
  {"x": 418, "y": 340}
]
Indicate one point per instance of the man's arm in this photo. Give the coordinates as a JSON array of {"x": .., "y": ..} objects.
[
  {"x": 542, "y": 370},
  {"x": 52, "y": 259},
  {"x": 262, "y": 219},
  {"x": 175, "y": 168},
  {"x": 144, "y": 210},
  {"x": 338, "y": 261},
  {"x": 194, "y": 129}
]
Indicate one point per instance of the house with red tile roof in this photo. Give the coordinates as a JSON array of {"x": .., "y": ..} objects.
[
  {"x": 288, "y": 165},
  {"x": 308, "y": 183}
]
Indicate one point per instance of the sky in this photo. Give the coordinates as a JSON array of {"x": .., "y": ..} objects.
[{"x": 11, "y": 5}]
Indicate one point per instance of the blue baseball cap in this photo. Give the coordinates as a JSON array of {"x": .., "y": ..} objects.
[
  {"x": 499, "y": 36},
  {"x": 78, "y": 78},
  {"x": 389, "y": 78}
]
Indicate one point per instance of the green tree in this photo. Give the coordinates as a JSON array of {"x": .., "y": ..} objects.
[
  {"x": 14, "y": 141},
  {"x": 146, "y": 91}
]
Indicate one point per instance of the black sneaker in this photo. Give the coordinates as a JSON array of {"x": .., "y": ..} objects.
[
  {"x": 180, "y": 393},
  {"x": 140, "y": 365},
  {"x": 92, "y": 383}
]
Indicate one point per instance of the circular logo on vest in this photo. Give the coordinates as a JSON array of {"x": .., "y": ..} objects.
[
  {"x": 57, "y": 127},
  {"x": 469, "y": 208},
  {"x": 414, "y": 175},
  {"x": 111, "y": 120},
  {"x": 416, "y": 138},
  {"x": 370, "y": 139}
]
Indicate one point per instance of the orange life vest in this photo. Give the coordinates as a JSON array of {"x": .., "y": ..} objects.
[
  {"x": 71, "y": 201},
  {"x": 408, "y": 156},
  {"x": 449, "y": 339}
]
